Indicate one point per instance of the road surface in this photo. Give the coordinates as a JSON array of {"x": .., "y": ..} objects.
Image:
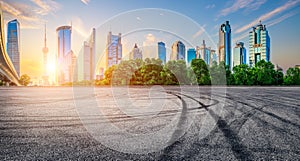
[{"x": 150, "y": 123}]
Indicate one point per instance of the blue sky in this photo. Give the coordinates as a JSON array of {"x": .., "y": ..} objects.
[{"x": 281, "y": 17}]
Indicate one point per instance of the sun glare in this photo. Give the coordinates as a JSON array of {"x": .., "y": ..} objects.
[{"x": 51, "y": 67}]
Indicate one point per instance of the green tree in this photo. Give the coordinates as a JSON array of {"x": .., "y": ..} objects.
[
  {"x": 201, "y": 71},
  {"x": 218, "y": 73},
  {"x": 242, "y": 75},
  {"x": 263, "y": 73},
  {"x": 108, "y": 75},
  {"x": 24, "y": 80},
  {"x": 151, "y": 71},
  {"x": 292, "y": 76},
  {"x": 178, "y": 69}
]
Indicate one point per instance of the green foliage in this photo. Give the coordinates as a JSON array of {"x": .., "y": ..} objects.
[
  {"x": 292, "y": 77},
  {"x": 201, "y": 72},
  {"x": 179, "y": 70},
  {"x": 152, "y": 71},
  {"x": 218, "y": 73},
  {"x": 24, "y": 80},
  {"x": 242, "y": 75}
]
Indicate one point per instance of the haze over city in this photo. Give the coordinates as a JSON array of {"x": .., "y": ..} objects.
[
  {"x": 281, "y": 19},
  {"x": 149, "y": 80}
]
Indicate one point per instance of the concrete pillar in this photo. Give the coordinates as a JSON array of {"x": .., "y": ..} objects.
[{"x": 7, "y": 84}]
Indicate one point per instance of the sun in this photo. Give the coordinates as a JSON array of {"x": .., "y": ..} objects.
[{"x": 51, "y": 67}]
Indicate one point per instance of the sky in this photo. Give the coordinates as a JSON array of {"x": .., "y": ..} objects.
[{"x": 147, "y": 22}]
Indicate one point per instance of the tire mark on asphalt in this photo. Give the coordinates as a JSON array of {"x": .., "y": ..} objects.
[
  {"x": 269, "y": 113},
  {"x": 239, "y": 150},
  {"x": 178, "y": 131}
]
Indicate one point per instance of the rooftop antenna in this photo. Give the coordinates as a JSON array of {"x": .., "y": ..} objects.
[{"x": 45, "y": 42}]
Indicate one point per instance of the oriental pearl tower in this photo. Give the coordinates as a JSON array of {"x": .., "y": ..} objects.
[{"x": 45, "y": 56}]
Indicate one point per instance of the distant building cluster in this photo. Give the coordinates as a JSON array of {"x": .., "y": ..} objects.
[
  {"x": 259, "y": 49},
  {"x": 68, "y": 69}
]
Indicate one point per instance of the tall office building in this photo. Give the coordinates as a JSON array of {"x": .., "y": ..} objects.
[
  {"x": 70, "y": 72},
  {"x": 136, "y": 53},
  {"x": 89, "y": 53},
  {"x": 13, "y": 43},
  {"x": 178, "y": 51},
  {"x": 191, "y": 54},
  {"x": 239, "y": 54},
  {"x": 64, "y": 48},
  {"x": 113, "y": 49},
  {"x": 225, "y": 43},
  {"x": 204, "y": 53},
  {"x": 162, "y": 54},
  {"x": 45, "y": 60},
  {"x": 259, "y": 44},
  {"x": 213, "y": 56}
]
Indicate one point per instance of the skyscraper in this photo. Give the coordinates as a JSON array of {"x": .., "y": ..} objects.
[
  {"x": 178, "y": 51},
  {"x": 239, "y": 54},
  {"x": 113, "y": 49},
  {"x": 259, "y": 44},
  {"x": 89, "y": 52},
  {"x": 213, "y": 56},
  {"x": 136, "y": 53},
  {"x": 45, "y": 60},
  {"x": 64, "y": 47},
  {"x": 225, "y": 43},
  {"x": 191, "y": 54},
  {"x": 13, "y": 43},
  {"x": 204, "y": 53},
  {"x": 70, "y": 72},
  {"x": 162, "y": 54}
]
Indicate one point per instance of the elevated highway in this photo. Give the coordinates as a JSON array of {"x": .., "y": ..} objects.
[{"x": 7, "y": 71}]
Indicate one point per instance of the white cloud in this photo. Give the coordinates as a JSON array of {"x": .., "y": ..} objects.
[
  {"x": 46, "y": 6},
  {"x": 78, "y": 26},
  {"x": 282, "y": 18},
  {"x": 85, "y": 1},
  {"x": 269, "y": 15},
  {"x": 29, "y": 16},
  {"x": 149, "y": 46},
  {"x": 150, "y": 40},
  {"x": 210, "y": 6},
  {"x": 249, "y": 5}
]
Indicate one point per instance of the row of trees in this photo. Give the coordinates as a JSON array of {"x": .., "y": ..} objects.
[{"x": 152, "y": 71}]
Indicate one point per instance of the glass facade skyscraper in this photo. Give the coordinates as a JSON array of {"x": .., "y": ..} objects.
[
  {"x": 178, "y": 51},
  {"x": 204, "y": 53},
  {"x": 64, "y": 40},
  {"x": 13, "y": 43},
  {"x": 225, "y": 43},
  {"x": 239, "y": 54},
  {"x": 162, "y": 54},
  {"x": 64, "y": 48},
  {"x": 113, "y": 49},
  {"x": 191, "y": 54},
  {"x": 89, "y": 53},
  {"x": 259, "y": 44}
]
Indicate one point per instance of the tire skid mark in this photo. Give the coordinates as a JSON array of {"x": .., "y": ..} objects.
[{"x": 239, "y": 150}]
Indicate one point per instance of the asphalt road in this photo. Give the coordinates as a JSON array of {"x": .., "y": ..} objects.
[{"x": 150, "y": 123}]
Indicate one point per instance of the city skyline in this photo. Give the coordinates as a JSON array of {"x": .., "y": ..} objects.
[{"x": 279, "y": 16}]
